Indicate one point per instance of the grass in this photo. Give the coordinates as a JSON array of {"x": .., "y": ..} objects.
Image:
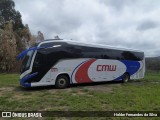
[
  {"x": 140, "y": 95},
  {"x": 152, "y": 76},
  {"x": 9, "y": 80}
]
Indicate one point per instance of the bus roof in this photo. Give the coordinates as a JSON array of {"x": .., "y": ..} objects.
[{"x": 88, "y": 44}]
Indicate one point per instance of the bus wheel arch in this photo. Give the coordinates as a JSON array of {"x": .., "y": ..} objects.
[
  {"x": 125, "y": 77},
  {"x": 62, "y": 81}
]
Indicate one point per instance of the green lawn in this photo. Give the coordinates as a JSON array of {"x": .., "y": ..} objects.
[{"x": 140, "y": 95}]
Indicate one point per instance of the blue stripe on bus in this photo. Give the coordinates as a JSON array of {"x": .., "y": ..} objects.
[
  {"x": 23, "y": 80},
  {"x": 76, "y": 68},
  {"x": 21, "y": 55},
  {"x": 119, "y": 78},
  {"x": 132, "y": 68}
]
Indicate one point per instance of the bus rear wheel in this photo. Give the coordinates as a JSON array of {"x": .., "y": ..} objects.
[
  {"x": 62, "y": 82},
  {"x": 125, "y": 78}
]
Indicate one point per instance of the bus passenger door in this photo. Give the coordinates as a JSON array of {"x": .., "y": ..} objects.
[{"x": 40, "y": 65}]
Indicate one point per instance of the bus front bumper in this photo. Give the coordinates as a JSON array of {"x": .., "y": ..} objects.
[{"x": 23, "y": 81}]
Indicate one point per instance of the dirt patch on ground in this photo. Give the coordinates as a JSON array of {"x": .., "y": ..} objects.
[
  {"x": 20, "y": 96},
  {"x": 12, "y": 91},
  {"x": 83, "y": 89},
  {"x": 6, "y": 89},
  {"x": 75, "y": 89},
  {"x": 137, "y": 83},
  {"x": 103, "y": 88},
  {"x": 156, "y": 82},
  {"x": 143, "y": 82}
]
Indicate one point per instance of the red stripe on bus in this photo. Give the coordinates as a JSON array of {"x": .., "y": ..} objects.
[{"x": 81, "y": 75}]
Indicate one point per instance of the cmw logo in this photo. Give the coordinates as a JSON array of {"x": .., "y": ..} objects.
[{"x": 106, "y": 67}]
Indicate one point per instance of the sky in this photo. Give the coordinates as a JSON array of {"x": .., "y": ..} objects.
[{"x": 122, "y": 23}]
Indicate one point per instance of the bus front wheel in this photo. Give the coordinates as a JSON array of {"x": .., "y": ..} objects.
[
  {"x": 125, "y": 78},
  {"x": 62, "y": 82}
]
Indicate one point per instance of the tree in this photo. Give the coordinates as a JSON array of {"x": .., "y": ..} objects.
[
  {"x": 33, "y": 39},
  {"x": 40, "y": 36},
  {"x": 1, "y": 32},
  {"x": 8, "y": 13},
  {"x": 14, "y": 36},
  {"x": 26, "y": 36},
  {"x": 8, "y": 48}
]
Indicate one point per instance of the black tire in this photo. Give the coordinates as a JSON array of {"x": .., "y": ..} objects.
[
  {"x": 125, "y": 78},
  {"x": 62, "y": 82}
]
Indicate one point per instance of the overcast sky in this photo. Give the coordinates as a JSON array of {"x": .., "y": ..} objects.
[{"x": 122, "y": 23}]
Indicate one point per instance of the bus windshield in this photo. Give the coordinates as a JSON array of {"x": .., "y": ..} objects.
[{"x": 26, "y": 62}]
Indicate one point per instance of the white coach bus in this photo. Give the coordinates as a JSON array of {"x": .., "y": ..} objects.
[{"x": 65, "y": 62}]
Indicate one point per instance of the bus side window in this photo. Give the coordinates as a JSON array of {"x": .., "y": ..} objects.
[
  {"x": 36, "y": 61},
  {"x": 50, "y": 58},
  {"x": 39, "y": 59}
]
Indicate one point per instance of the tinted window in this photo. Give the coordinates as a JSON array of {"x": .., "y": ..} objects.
[
  {"x": 65, "y": 51},
  {"x": 44, "y": 59},
  {"x": 101, "y": 53}
]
